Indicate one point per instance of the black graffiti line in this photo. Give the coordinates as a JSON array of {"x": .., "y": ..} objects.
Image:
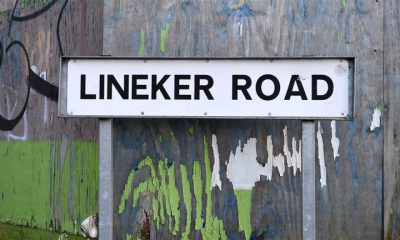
[
  {"x": 58, "y": 28},
  {"x": 35, "y": 82},
  {"x": 38, "y": 13},
  {"x": 6, "y": 124},
  {"x": 32, "y": 15}
]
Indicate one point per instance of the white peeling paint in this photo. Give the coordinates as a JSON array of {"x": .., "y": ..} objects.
[
  {"x": 334, "y": 141},
  {"x": 24, "y": 136},
  {"x": 321, "y": 156},
  {"x": 215, "y": 177},
  {"x": 46, "y": 105},
  {"x": 243, "y": 169},
  {"x": 293, "y": 159},
  {"x": 376, "y": 119},
  {"x": 276, "y": 161},
  {"x": 10, "y": 134}
]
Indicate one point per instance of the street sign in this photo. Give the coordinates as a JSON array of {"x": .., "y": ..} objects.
[{"x": 304, "y": 88}]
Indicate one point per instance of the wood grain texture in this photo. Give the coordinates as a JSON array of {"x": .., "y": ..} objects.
[
  {"x": 80, "y": 32},
  {"x": 6, "y": 5},
  {"x": 52, "y": 161},
  {"x": 215, "y": 29},
  {"x": 350, "y": 205},
  {"x": 391, "y": 120},
  {"x": 275, "y": 205}
]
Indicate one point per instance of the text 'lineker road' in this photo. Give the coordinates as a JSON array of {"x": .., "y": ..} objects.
[{"x": 202, "y": 83}]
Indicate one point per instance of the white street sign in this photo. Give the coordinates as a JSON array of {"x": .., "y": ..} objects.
[{"x": 214, "y": 88}]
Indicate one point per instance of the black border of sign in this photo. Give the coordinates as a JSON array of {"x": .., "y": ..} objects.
[{"x": 62, "y": 101}]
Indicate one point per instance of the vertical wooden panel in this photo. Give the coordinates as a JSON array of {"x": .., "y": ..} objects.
[
  {"x": 217, "y": 28},
  {"x": 183, "y": 154},
  {"x": 49, "y": 166},
  {"x": 391, "y": 113},
  {"x": 349, "y": 185}
]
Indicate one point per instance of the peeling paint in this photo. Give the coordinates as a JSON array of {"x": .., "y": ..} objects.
[
  {"x": 31, "y": 170},
  {"x": 126, "y": 193},
  {"x": 344, "y": 2},
  {"x": 174, "y": 198},
  {"x": 215, "y": 177},
  {"x": 243, "y": 198},
  {"x": 244, "y": 171},
  {"x": 274, "y": 161},
  {"x": 163, "y": 36},
  {"x": 191, "y": 129},
  {"x": 187, "y": 199},
  {"x": 164, "y": 190},
  {"x": 142, "y": 41},
  {"x": 334, "y": 141},
  {"x": 376, "y": 119},
  {"x": 214, "y": 228},
  {"x": 321, "y": 156},
  {"x": 198, "y": 192},
  {"x": 293, "y": 159}
]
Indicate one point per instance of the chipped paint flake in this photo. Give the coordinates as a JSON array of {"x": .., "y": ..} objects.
[
  {"x": 243, "y": 198},
  {"x": 293, "y": 159},
  {"x": 376, "y": 119},
  {"x": 276, "y": 161},
  {"x": 321, "y": 156},
  {"x": 334, "y": 141},
  {"x": 244, "y": 171},
  {"x": 142, "y": 42},
  {"x": 215, "y": 177},
  {"x": 163, "y": 36}
]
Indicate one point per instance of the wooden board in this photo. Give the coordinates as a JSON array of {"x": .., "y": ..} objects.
[
  {"x": 349, "y": 206},
  {"x": 391, "y": 116},
  {"x": 186, "y": 156},
  {"x": 49, "y": 166},
  {"x": 349, "y": 194}
]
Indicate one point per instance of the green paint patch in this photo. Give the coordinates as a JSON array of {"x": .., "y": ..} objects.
[
  {"x": 142, "y": 41},
  {"x": 191, "y": 129},
  {"x": 166, "y": 192},
  {"x": 40, "y": 185},
  {"x": 344, "y": 2},
  {"x": 243, "y": 198},
  {"x": 198, "y": 192},
  {"x": 214, "y": 228},
  {"x": 11, "y": 232},
  {"x": 187, "y": 199},
  {"x": 127, "y": 192},
  {"x": 166, "y": 198},
  {"x": 174, "y": 198},
  {"x": 163, "y": 36}
]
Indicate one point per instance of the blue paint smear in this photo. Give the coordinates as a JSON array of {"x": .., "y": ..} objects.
[
  {"x": 271, "y": 232},
  {"x": 244, "y": 11},
  {"x": 303, "y": 5},
  {"x": 351, "y": 158},
  {"x": 337, "y": 167},
  {"x": 347, "y": 35},
  {"x": 358, "y": 9}
]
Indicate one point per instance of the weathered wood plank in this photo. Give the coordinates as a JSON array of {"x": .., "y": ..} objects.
[
  {"x": 49, "y": 167},
  {"x": 224, "y": 29},
  {"x": 186, "y": 155},
  {"x": 349, "y": 179},
  {"x": 391, "y": 118}
]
